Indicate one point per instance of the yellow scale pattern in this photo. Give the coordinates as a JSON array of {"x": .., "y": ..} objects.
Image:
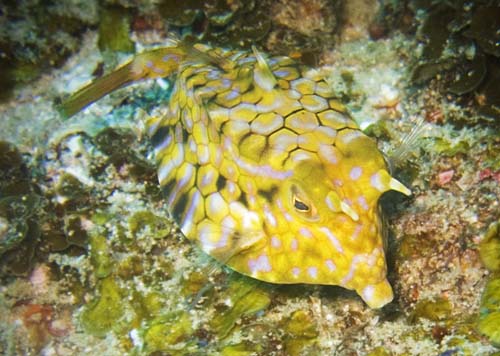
[{"x": 263, "y": 168}]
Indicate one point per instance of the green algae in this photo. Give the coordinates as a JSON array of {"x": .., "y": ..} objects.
[
  {"x": 168, "y": 332},
  {"x": 157, "y": 226},
  {"x": 240, "y": 349},
  {"x": 489, "y": 326},
  {"x": 379, "y": 351},
  {"x": 300, "y": 330},
  {"x": 21, "y": 206},
  {"x": 434, "y": 310},
  {"x": 449, "y": 148},
  {"x": 100, "y": 256},
  {"x": 301, "y": 325},
  {"x": 153, "y": 303},
  {"x": 490, "y": 300},
  {"x": 71, "y": 189},
  {"x": 489, "y": 318},
  {"x": 412, "y": 245},
  {"x": 75, "y": 234},
  {"x": 114, "y": 30},
  {"x": 129, "y": 267},
  {"x": 246, "y": 297},
  {"x": 107, "y": 312},
  {"x": 16, "y": 213},
  {"x": 193, "y": 283},
  {"x": 489, "y": 248}
]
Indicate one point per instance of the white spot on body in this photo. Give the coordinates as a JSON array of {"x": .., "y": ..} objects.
[
  {"x": 331, "y": 266},
  {"x": 295, "y": 271},
  {"x": 208, "y": 178},
  {"x": 192, "y": 145},
  {"x": 165, "y": 170},
  {"x": 251, "y": 221},
  {"x": 167, "y": 140},
  {"x": 313, "y": 272},
  {"x": 178, "y": 133},
  {"x": 294, "y": 94},
  {"x": 355, "y": 173},
  {"x": 368, "y": 292},
  {"x": 377, "y": 183},
  {"x": 301, "y": 155},
  {"x": 206, "y": 233},
  {"x": 294, "y": 244},
  {"x": 349, "y": 136},
  {"x": 282, "y": 73},
  {"x": 357, "y": 230},
  {"x": 275, "y": 242},
  {"x": 181, "y": 183},
  {"x": 228, "y": 224},
  {"x": 260, "y": 264},
  {"x": 333, "y": 239},
  {"x": 304, "y": 231},
  {"x": 355, "y": 260},
  {"x": 187, "y": 223},
  {"x": 363, "y": 203},
  {"x": 287, "y": 217},
  {"x": 263, "y": 126},
  {"x": 231, "y": 187},
  {"x": 332, "y": 201},
  {"x": 325, "y": 131},
  {"x": 266, "y": 171},
  {"x": 233, "y": 94},
  {"x": 188, "y": 121},
  {"x": 271, "y": 220},
  {"x": 203, "y": 154},
  {"x": 177, "y": 154}
]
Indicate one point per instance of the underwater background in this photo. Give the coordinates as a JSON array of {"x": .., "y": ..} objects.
[{"x": 91, "y": 262}]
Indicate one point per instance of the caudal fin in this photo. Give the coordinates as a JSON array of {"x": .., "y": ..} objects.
[{"x": 148, "y": 65}]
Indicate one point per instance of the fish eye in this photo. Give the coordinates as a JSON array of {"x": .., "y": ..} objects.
[{"x": 300, "y": 205}]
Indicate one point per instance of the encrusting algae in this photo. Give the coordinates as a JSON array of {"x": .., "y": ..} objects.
[{"x": 263, "y": 167}]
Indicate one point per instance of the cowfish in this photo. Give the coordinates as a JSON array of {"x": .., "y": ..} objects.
[{"x": 263, "y": 168}]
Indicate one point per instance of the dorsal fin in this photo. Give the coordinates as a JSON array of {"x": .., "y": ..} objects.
[
  {"x": 263, "y": 76},
  {"x": 408, "y": 144}
]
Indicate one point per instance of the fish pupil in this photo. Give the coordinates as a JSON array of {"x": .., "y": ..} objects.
[{"x": 299, "y": 205}]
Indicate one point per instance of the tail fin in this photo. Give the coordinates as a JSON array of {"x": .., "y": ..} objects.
[{"x": 157, "y": 63}]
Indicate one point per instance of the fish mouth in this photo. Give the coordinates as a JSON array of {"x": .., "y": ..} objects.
[{"x": 377, "y": 295}]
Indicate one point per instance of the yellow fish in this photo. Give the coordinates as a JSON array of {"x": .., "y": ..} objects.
[{"x": 263, "y": 168}]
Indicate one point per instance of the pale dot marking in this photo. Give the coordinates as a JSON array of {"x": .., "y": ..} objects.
[
  {"x": 364, "y": 204},
  {"x": 304, "y": 231},
  {"x": 331, "y": 266},
  {"x": 295, "y": 271},
  {"x": 294, "y": 244},
  {"x": 368, "y": 292},
  {"x": 333, "y": 239},
  {"x": 313, "y": 272},
  {"x": 275, "y": 242},
  {"x": 376, "y": 182},
  {"x": 355, "y": 173},
  {"x": 357, "y": 230},
  {"x": 260, "y": 264}
]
